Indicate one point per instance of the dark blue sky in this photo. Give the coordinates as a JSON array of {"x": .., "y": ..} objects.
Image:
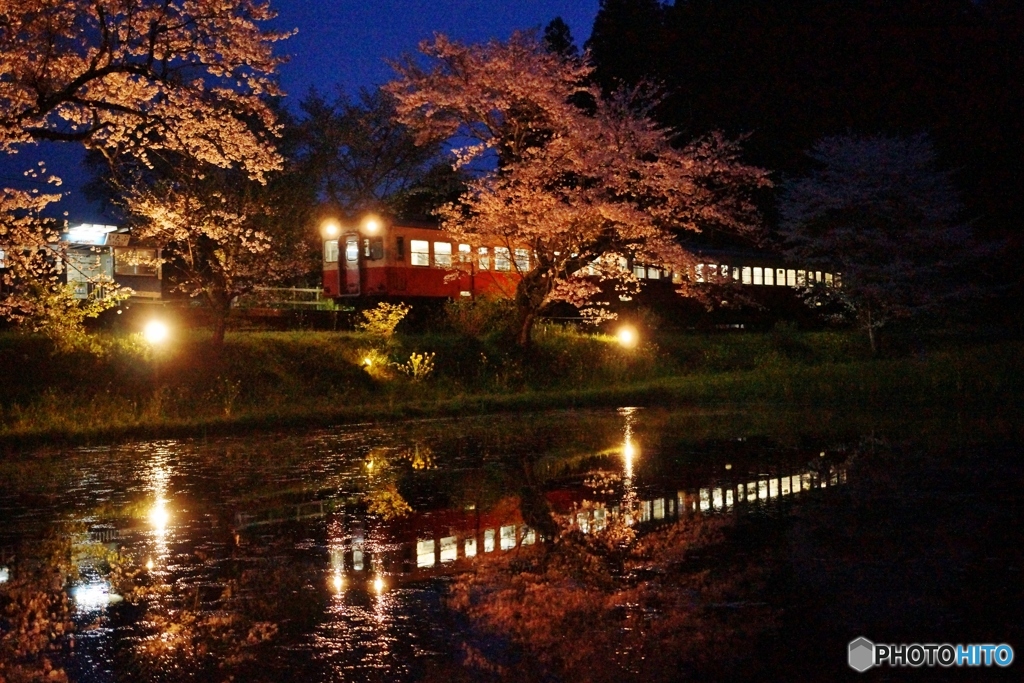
[{"x": 344, "y": 44}]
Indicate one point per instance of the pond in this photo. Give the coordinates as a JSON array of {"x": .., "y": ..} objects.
[{"x": 577, "y": 545}]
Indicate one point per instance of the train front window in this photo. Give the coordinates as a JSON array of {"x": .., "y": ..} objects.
[
  {"x": 331, "y": 251},
  {"x": 483, "y": 258},
  {"x": 352, "y": 249},
  {"x": 419, "y": 250},
  {"x": 443, "y": 254},
  {"x": 502, "y": 261},
  {"x": 376, "y": 248},
  {"x": 400, "y": 248}
]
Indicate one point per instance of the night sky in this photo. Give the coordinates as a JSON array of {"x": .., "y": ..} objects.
[{"x": 345, "y": 44}]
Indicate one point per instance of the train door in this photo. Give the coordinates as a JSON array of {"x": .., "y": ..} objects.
[{"x": 350, "y": 278}]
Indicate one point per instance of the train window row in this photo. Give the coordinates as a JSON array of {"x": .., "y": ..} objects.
[
  {"x": 440, "y": 254},
  {"x": 757, "y": 275}
]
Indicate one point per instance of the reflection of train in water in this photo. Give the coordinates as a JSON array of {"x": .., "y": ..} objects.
[
  {"x": 420, "y": 260},
  {"x": 424, "y": 544}
]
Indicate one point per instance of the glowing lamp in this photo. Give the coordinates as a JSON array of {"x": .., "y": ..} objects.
[
  {"x": 371, "y": 224},
  {"x": 156, "y": 332},
  {"x": 330, "y": 229},
  {"x": 627, "y": 336}
]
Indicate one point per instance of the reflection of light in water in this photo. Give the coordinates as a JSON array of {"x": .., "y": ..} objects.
[
  {"x": 629, "y": 452},
  {"x": 90, "y": 597},
  {"x": 149, "y": 564},
  {"x": 337, "y": 581},
  {"x": 159, "y": 517},
  {"x": 378, "y": 584}
]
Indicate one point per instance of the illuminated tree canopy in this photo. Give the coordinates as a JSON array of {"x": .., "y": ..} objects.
[
  {"x": 580, "y": 180},
  {"x": 135, "y": 78}
]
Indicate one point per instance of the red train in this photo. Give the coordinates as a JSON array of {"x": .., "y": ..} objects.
[
  {"x": 407, "y": 259},
  {"x": 415, "y": 260}
]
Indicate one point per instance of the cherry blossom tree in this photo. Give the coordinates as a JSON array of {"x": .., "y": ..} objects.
[
  {"x": 877, "y": 210},
  {"x": 130, "y": 77},
  {"x": 225, "y": 234},
  {"x": 579, "y": 181}
]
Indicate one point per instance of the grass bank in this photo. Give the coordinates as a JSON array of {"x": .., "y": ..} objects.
[{"x": 308, "y": 379}]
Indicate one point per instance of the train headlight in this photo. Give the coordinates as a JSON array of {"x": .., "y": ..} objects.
[{"x": 330, "y": 229}]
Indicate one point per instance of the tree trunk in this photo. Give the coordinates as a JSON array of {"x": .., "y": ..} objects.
[
  {"x": 526, "y": 330},
  {"x": 530, "y": 294},
  {"x": 221, "y": 307},
  {"x": 872, "y": 335}
]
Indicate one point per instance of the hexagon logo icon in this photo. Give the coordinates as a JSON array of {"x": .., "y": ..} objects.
[{"x": 862, "y": 654}]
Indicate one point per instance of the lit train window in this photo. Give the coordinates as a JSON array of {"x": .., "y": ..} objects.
[
  {"x": 449, "y": 549},
  {"x": 419, "y": 250},
  {"x": 780, "y": 277},
  {"x": 817, "y": 276},
  {"x": 470, "y": 547},
  {"x": 351, "y": 249},
  {"x": 801, "y": 278},
  {"x": 443, "y": 254},
  {"x": 828, "y": 279},
  {"x": 483, "y": 259},
  {"x": 758, "y": 276},
  {"x": 522, "y": 260},
  {"x": 331, "y": 251},
  {"x": 489, "y": 541},
  {"x": 735, "y": 272},
  {"x": 723, "y": 272},
  {"x": 769, "y": 276},
  {"x": 464, "y": 253},
  {"x": 698, "y": 271},
  {"x": 502, "y": 261},
  {"x": 746, "y": 275},
  {"x": 640, "y": 271},
  {"x": 529, "y": 535},
  {"x": 654, "y": 273},
  {"x": 791, "y": 277},
  {"x": 508, "y": 537},
  {"x": 712, "y": 272},
  {"x": 425, "y": 553}
]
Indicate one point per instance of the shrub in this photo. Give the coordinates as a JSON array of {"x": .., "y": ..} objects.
[
  {"x": 382, "y": 320},
  {"x": 484, "y": 316}
]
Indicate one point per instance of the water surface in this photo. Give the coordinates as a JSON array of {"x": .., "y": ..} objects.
[{"x": 421, "y": 551}]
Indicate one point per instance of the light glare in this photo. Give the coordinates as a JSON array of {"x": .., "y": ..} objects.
[
  {"x": 156, "y": 332},
  {"x": 330, "y": 229},
  {"x": 371, "y": 224},
  {"x": 627, "y": 336}
]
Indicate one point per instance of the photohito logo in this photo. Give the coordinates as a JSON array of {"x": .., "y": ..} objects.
[{"x": 863, "y": 654}]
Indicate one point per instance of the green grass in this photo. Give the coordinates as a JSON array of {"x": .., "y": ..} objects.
[{"x": 308, "y": 379}]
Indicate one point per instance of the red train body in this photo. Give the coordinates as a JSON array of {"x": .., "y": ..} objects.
[{"x": 404, "y": 260}]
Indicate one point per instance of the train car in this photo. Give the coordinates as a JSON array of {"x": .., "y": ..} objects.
[
  {"x": 408, "y": 259},
  {"x": 419, "y": 260}
]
